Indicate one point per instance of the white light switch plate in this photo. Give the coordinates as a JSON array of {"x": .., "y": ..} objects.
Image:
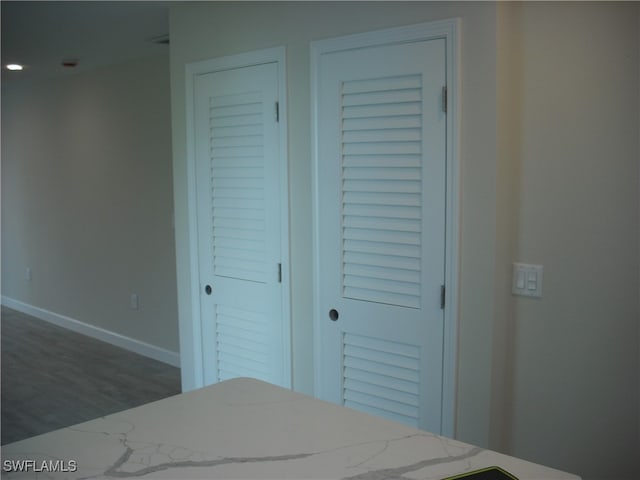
[{"x": 527, "y": 280}]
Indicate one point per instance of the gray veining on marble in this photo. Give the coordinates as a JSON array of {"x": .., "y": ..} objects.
[
  {"x": 248, "y": 429},
  {"x": 396, "y": 473}
]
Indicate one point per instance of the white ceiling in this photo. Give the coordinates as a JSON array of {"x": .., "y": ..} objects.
[{"x": 40, "y": 35}]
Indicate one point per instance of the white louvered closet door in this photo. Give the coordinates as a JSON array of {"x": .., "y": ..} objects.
[
  {"x": 237, "y": 163},
  {"x": 381, "y": 192}
]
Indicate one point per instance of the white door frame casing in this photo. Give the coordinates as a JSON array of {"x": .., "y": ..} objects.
[
  {"x": 449, "y": 30},
  {"x": 191, "y": 351}
]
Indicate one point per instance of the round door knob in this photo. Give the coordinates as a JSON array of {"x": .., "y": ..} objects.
[
  {"x": 207, "y": 289},
  {"x": 333, "y": 314}
]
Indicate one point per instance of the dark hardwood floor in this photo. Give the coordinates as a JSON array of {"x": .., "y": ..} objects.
[{"x": 54, "y": 378}]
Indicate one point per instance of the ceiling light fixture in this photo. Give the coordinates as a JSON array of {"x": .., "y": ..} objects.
[{"x": 14, "y": 67}]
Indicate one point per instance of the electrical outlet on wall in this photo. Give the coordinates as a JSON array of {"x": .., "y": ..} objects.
[
  {"x": 27, "y": 274},
  {"x": 134, "y": 301}
]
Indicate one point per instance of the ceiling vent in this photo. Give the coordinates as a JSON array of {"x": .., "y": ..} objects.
[
  {"x": 160, "y": 40},
  {"x": 69, "y": 62}
]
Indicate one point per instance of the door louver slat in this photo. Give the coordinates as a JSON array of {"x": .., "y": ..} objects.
[
  {"x": 382, "y": 261},
  {"x": 390, "y": 110},
  {"x": 381, "y": 190},
  {"x": 410, "y": 238},
  {"x": 237, "y": 180},
  {"x": 241, "y": 343},
  {"x": 373, "y": 186},
  {"x": 382, "y": 84},
  {"x": 381, "y": 377},
  {"x": 381, "y": 248},
  {"x": 387, "y": 135},
  {"x": 388, "y": 123}
]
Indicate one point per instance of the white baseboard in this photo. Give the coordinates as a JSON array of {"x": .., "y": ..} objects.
[{"x": 136, "y": 346}]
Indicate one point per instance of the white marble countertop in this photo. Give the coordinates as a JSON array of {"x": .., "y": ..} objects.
[{"x": 247, "y": 429}]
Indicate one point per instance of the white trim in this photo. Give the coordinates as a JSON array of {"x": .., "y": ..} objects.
[
  {"x": 314, "y": 60},
  {"x": 408, "y": 34},
  {"x": 240, "y": 60},
  {"x": 193, "y": 355},
  {"x": 452, "y": 235},
  {"x": 284, "y": 214},
  {"x": 113, "y": 338},
  {"x": 190, "y": 344},
  {"x": 449, "y": 30}
]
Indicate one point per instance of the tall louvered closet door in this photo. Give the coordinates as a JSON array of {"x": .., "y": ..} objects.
[
  {"x": 381, "y": 165},
  {"x": 238, "y": 188}
]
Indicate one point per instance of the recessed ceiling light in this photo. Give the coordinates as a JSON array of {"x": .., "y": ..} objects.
[{"x": 14, "y": 67}]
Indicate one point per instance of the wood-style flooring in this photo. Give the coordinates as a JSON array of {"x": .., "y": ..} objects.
[{"x": 54, "y": 378}]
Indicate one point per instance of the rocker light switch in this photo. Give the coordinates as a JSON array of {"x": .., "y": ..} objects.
[{"x": 527, "y": 280}]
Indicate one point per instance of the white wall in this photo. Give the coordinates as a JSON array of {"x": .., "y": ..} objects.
[
  {"x": 209, "y": 30},
  {"x": 87, "y": 199},
  {"x": 569, "y": 168},
  {"x": 549, "y": 142}
]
